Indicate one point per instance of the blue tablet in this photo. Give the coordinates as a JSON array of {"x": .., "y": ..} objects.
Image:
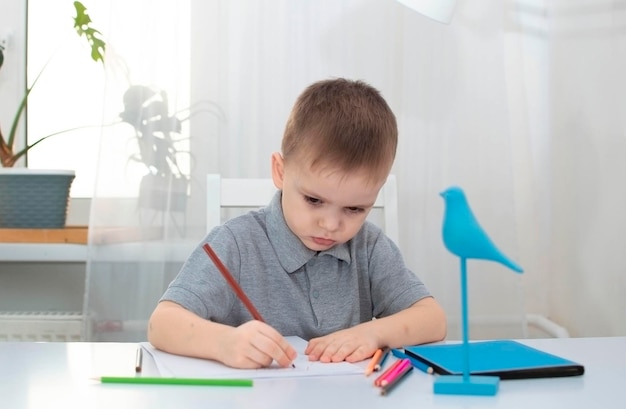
[{"x": 504, "y": 358}]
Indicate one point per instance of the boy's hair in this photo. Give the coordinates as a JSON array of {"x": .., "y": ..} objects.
[{"x": 342, "y": 124}]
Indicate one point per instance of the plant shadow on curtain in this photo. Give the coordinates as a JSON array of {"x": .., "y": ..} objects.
[{"x": 148, "y": 209}]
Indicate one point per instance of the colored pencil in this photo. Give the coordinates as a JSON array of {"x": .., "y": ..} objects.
[
  {"x": 381, "y": 364},
  {"x": 373, "y": 362},
  {"x": 387, "y": 372},
  {"x": 401, "y": 367},
  {"x": 385, "y": 389},
  {"x": 138, "y": 359},
  {"x": 146, "y": 380},
  {"x": 233, "y": 284},
  {"x": 415, "y": 362}
]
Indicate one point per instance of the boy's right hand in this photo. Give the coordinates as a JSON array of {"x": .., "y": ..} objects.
[{"x": 255, "y": 344}]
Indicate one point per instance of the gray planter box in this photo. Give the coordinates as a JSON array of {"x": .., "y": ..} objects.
[{"x": 34, "y": 199}]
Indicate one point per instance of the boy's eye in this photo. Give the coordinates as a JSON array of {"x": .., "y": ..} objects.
[
  {"x": 317, "y": 202},
  {"x": 355, "y": 209},
  {"x": 312, "y": 200}
]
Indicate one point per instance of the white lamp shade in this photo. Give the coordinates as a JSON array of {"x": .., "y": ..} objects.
[{"x": 439, "y": 10}]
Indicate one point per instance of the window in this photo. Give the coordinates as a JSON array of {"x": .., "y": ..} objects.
[{"x": 76, "y": 92}]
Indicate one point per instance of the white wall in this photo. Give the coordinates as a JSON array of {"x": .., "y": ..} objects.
[{"x": 588, "y": 106}]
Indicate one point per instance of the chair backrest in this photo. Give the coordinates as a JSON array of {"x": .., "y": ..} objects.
[{"x": 225, "y": 193}]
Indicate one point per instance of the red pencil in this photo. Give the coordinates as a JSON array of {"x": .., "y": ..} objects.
[{"x": 234, "y": 285}]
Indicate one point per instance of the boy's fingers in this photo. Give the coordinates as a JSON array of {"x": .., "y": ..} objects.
[
  {"x": 277, "y": 347},
  {"x": 284, "y": 353}
]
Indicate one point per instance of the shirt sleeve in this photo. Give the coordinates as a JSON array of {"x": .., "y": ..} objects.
[
  {"x": 394, "y": 286},
  {"x": 199, "y": 286}
]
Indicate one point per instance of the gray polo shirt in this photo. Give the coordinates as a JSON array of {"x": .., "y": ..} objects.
[{"x": 296, "y": 290}]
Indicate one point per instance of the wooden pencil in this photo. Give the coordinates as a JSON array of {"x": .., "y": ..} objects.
[
  {"x": 391, "y": 368},
  {"x": 385, "y": 389},
  {"x": 233, "y": 284},
  {"x": 373, "y": 362},
  {"x": 175, "y": 381},
  {"x": 383, "y": 358}
]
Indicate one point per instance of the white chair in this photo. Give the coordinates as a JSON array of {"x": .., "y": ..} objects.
[{"x": 223, "y": 194}]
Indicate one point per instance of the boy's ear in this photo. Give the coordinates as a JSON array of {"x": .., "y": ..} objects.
[{"x": 278, "y": 170}]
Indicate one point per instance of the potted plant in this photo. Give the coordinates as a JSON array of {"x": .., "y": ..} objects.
[{"x": 38, "y": 199}]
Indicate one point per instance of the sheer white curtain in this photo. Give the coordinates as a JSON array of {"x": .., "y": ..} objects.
[
  {"x": 452, "y": 94},
  {"x": 449, "y": 88},
  {"x": 148, "y": 209},
  {"x": 458, "y": 92}
]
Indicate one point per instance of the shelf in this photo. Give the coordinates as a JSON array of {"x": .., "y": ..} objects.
[
  {"x": 115, "y": 244},
  {"x": 121, "y": 252},
  {"x": 43, "y": 252},
  {"x": 73, "y": 235}
]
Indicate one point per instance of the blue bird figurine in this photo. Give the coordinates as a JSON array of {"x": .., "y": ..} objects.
[{"x": 463, "y": 235}]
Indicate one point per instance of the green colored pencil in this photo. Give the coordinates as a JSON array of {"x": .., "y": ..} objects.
[{"x": 175, "y": 381}]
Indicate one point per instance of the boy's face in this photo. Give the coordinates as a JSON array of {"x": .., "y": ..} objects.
[{"x": 323, "y": 207}]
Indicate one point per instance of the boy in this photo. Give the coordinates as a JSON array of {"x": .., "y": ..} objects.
[{"x": 310, "y": 262}]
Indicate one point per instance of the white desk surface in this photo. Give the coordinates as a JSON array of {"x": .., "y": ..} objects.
[{"x": 56, "y": 375}]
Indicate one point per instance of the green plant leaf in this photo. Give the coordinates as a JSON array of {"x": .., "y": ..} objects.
[{"x": 82, "y": 23}]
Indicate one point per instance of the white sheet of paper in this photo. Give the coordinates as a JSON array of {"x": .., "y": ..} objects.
[{"x": 177, "y": 366}]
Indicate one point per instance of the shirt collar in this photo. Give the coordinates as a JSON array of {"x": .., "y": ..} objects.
[{"x": 292, "y": 254}]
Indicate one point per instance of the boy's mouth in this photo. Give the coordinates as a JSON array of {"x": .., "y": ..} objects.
[{"x": 323, "y": 242}]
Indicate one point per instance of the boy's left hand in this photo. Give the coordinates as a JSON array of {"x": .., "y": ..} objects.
[{"x": 351, "y": 345}]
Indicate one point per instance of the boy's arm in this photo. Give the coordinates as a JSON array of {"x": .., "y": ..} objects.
[
  {"x": 253, "y": 344},
  {"x": 423, "y": 322}
]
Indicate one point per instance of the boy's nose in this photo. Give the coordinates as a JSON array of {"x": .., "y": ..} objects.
[{"x": 330, "y": 222}]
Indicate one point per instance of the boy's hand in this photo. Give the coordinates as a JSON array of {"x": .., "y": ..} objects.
[
  {"x": 351, "y": 345},
  {"x": 256, "y": 345}
]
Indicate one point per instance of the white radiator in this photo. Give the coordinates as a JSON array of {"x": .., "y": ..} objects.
[{"x": 61, "y": 326}]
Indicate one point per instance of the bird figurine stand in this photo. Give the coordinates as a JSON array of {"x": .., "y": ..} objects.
[{"x": 464, "y": 237}]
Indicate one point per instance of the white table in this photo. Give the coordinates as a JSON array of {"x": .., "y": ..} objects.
[{"x": 56, "y": 375}]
